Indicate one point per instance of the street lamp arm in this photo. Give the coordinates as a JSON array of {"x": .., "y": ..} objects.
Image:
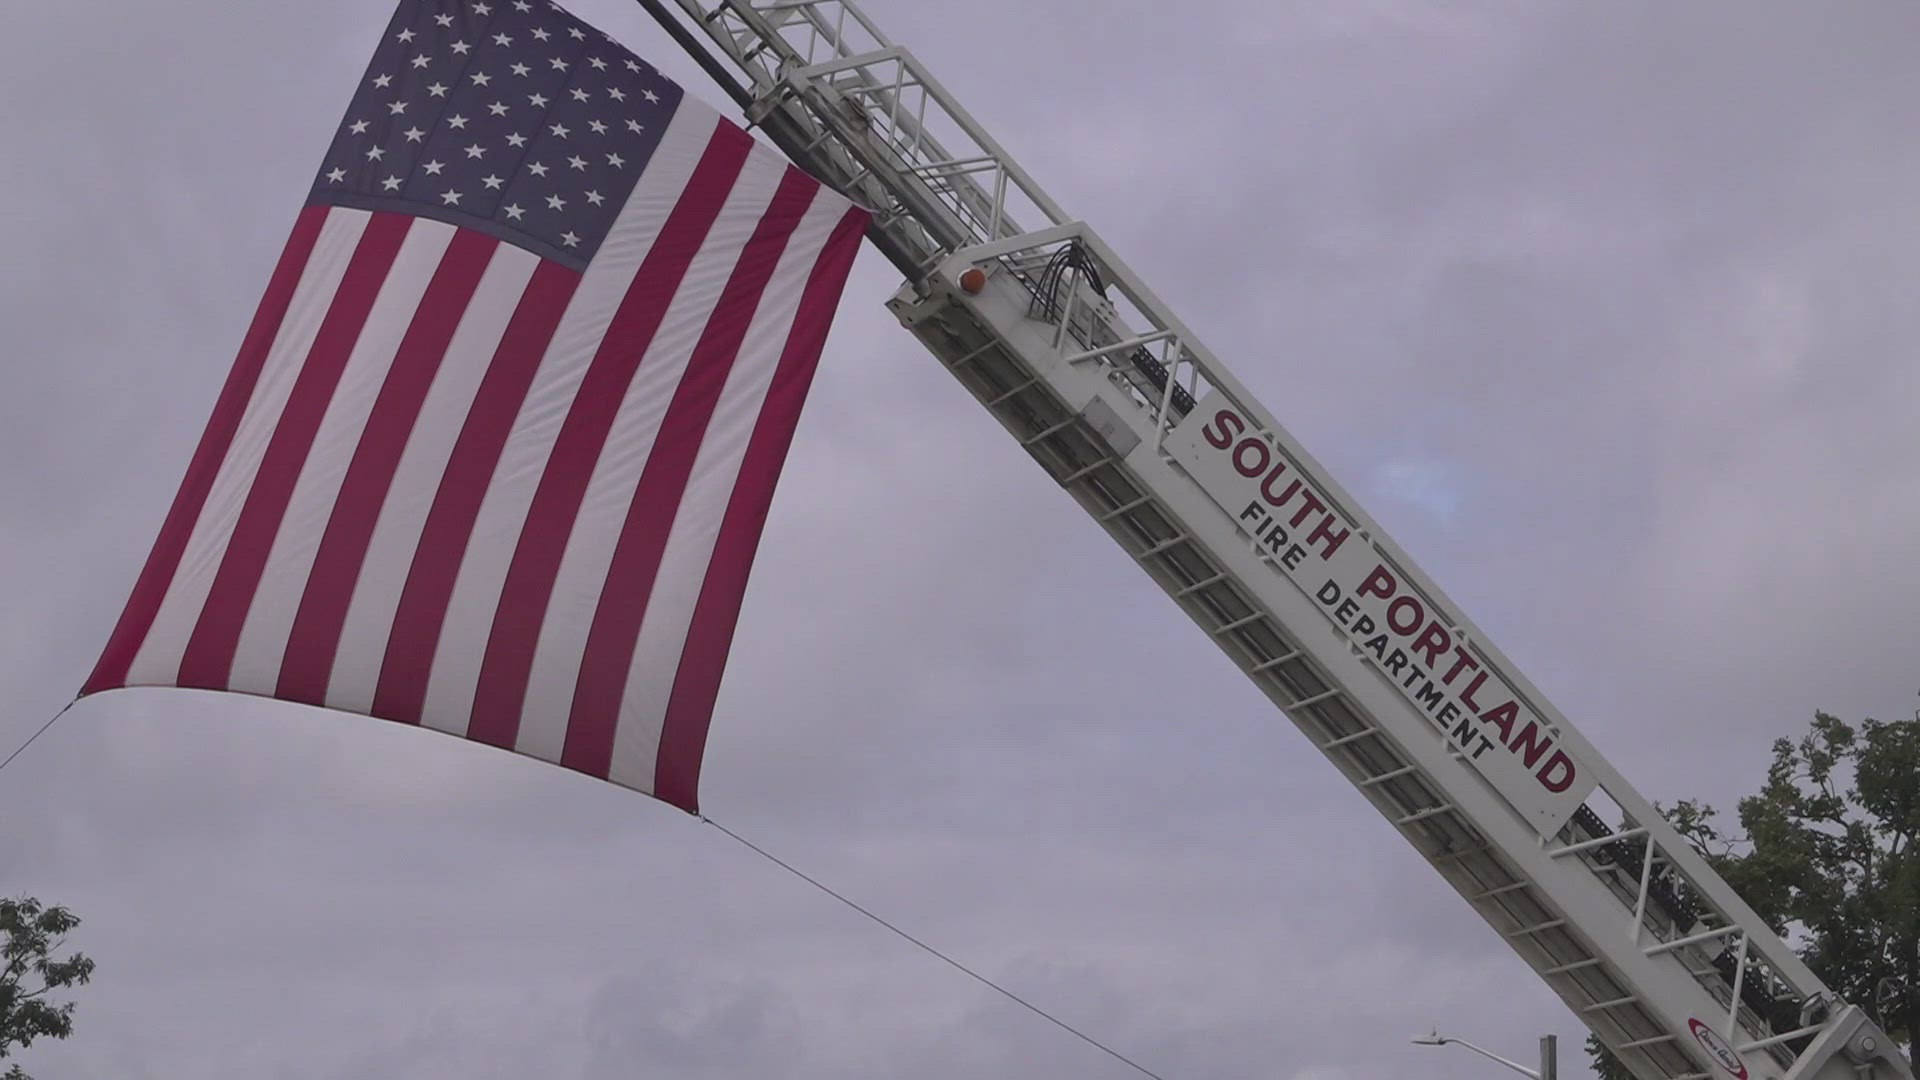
[{"x": 1442, "y": 1040}]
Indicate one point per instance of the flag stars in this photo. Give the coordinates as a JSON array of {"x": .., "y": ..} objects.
[
  {"x": 522, "y": 6},
  {"x": 558, "y": 64},
  {"x": 460, "y": 48},
  {"x": 405, "y": 36},
  {"x": 616, "y": 93},
  {"x": 520, "y": 70},
  {"x": 375, "y": 153},
  {"x": 579, "y": 94},
  {"x": 450, "y": 198},
  {"x": 336, "y": 175},
  {"x": 475, "y": 151},
  {"x": 598, "y": 127},
  {"x": 538, "y": 101},
  {"x": 540, "y": 34},
  {"x": 397, "y": 107},
  {"x": 492, "y": 182},
  {"x": 502, "y": 40},
  {"x": 433, "y": 167},
  {"x": 634, "y": 126},
  {"x": 482, "y": 9},
  {"x": 537, "y": 169},
  {"x": 579, "y": 163},
  {"x": 598, "y": 64},
  {"x": 443, "y": 20},
  {"x": 516, "y": 140},
  {"x": 556, "y": 202},
  {"x": 596, "y": 198},
  {"x": 652, "y": 98},
  {"x": 560, "y": 131},
  {"x": 414, "y": 134},
  {"x": 383, "y": 81},
  {"x": 457, "y": 121},
  {"x": 616, "y": 160},
  {"x": 391, "y": 183},
  {"x": 420, "y": 61},
  {"x": 480, "y": 78},
  {"x": 358, "y": 127},
  {"x": 514, "y": 211},
  {"x": 498, "y": 108},
  {"x": 631, "y": 66},
  {"x": 576, "y": 33},
  {"x": 437, "y": 90},
  {"x": 570, "y": 239}
]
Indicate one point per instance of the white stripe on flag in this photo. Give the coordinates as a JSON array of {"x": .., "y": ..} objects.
[
  {"x": 158, "y": 661},
  {"x": 390, "y": 552},
  {"x": 597, "y": 527},
  {"x": 696, "y": 523},
  {"x": 496, "y": 531}
]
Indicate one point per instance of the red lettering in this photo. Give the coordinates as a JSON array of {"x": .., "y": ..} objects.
[
  {"x": 1380, "y": 583},
  {"x": 1240, "y": 454},
  {"x": 1322, "y": 532},
  {"x": 1404, "y": 604},
  {"x": 1217, "y": 434},
  {"x": 1464, "y": 661},
  {"x": 1433, "y": 641},
  {"x": 1557, "y": 774},
  {"x": 1266, "y": 486},
  {"x": 1309, "y": 505},
  {"x": 1502, "y": 717},
  {"x": 1466, "y": 696},
  {"x": 1532, "y": 741}
]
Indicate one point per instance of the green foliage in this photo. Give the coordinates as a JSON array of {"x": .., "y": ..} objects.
[
  {"x": 30, "y": 971},
  {"x": 1828, "y": 861}
]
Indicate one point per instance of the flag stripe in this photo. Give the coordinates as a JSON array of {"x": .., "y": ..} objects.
[
  {"x": 407, "y": 666},
  {"x": 410, "y": 495},
  {"x": 529, "y": 580},
  {"x": 156, "y": 577},
  {"x": 643, "y": 537},
  {"x": 683, "y": 736},
  {"x": 307, "y": 664}
]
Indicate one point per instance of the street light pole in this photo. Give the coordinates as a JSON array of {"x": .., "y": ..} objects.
[{"x": 1549, "y": 1063}]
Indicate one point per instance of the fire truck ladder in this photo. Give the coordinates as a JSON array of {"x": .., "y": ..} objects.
[{"x": 1068, "y": 347}]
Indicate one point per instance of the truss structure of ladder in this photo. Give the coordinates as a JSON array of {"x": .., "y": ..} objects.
[{"x": 1068, "y": 347}]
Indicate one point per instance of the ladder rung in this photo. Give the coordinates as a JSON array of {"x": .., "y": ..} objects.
[
  {"x": 1314, "y": 699},
  {"x": 1078, "y": 473},
  {"x": 970, "y": 357},
  {"x": 1603, "y": 1006},
  {"x": 1386, "y": 776},
  {"x": 1354, "y": 737},
  {"x": 1588, "y": 845},
  {"x": 1692, "y": 939},
  {"x": 1498, "y": 890},
  {"x": 1198, "y": 585},
  {"x": 1047, "y": 433},
  {"x": 1172, "y": 541},
  {"x": 1575, "y": 966},
  {"x": 1283, "y": 658},
  {"x": 1238, "y": 623},
  {"x": 1637, "y": 1043},
  {"x": 1527, "y": 931},
  {"x": 997, "y": 399},
  {"x": 1126, "y": 508},
  {"x": 1422, "y": 815}
]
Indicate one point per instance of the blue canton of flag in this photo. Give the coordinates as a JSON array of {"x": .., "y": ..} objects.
[{"x": 511, "y": 117}]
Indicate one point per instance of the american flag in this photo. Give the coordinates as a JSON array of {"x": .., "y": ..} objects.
[{"x": 496, "y": 452}]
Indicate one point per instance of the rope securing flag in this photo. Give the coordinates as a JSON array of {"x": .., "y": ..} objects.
[{"x": 496, "y": 451}]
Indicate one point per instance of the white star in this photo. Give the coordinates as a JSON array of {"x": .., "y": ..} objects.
[
  {"x": 598, "y": 64},
  {"x": 537, "y": 169},
  {"x": 397, "y": 108},
  {"x": 570, "y": 238},
  {"x": 596, "y": 198},
  {"x": 616, "y": 93},
  {"x": 450, "y": 197},
  {"x": 516, "y": 139},
  {"x": 559, "y": 130},
  {"x": 497, "y": 108},
  {"x": 522, "y": 5},
  {"x": 413, "y": 134},
  {"x": 634, "y": 126},
  {"x": 404, "y": 35},
  {"x": 579, "y": 94},
  {"x": 493, "y": 182},
  {"x": 540, "y": 35},
  {"x": 476, "y": 150},
  {"x": 482, "y": 9},
  {"x": 521, "y": 70},
  {"x": 538, "y": 101},
  {"x": 437, "y": 90},
  {"x": 382, "y": 81},
  {"x": 433, "y": 168},
  {"x": 460, "y": 47},
  {"x": 616, "y": 160},
  {"x": 338, "y": 174},
  {"x": 598, "y": 127},
  {"x": 374, "y": 153},
  {"x": 358, "y": 127},
  {"x": 421, "y": 61},
  {"x": 443, "y": 20},
  {"x": 502, "y": 40},
  {"x": 457, "y": 121},
  {"x": 574, "y": 33},
  {"x": 631, "y": 66},
  {"x": 391, "y": 183},
  {"x": 513, "y": 211},
  {"x": 480, "y": 78},
  {"x": 558, "y": 64},
  {"x": 577, "y": 162},
  {"x": 652, "y": 98},
  {"x": 556, "y": 202}
]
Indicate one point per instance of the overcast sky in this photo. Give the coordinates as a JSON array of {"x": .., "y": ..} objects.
[{"x": 1606, "y": 311}]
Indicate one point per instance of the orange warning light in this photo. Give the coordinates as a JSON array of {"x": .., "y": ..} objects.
[{"x": 972, "y": 280}]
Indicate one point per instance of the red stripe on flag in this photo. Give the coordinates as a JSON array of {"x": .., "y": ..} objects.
[
  {"x": 307, "y": 665},
  {"x": 422, "y": 610},
  {"x": 556, "y": 501},
  {"x": 656, "y": 499},
  {"x": 168, "y": 548},
  {"x": 696, "y": 685},
  {"x": 208, "y": 660}
]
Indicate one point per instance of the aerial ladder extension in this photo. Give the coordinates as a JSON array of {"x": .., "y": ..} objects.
[{"x": 1128, "y": 411}]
